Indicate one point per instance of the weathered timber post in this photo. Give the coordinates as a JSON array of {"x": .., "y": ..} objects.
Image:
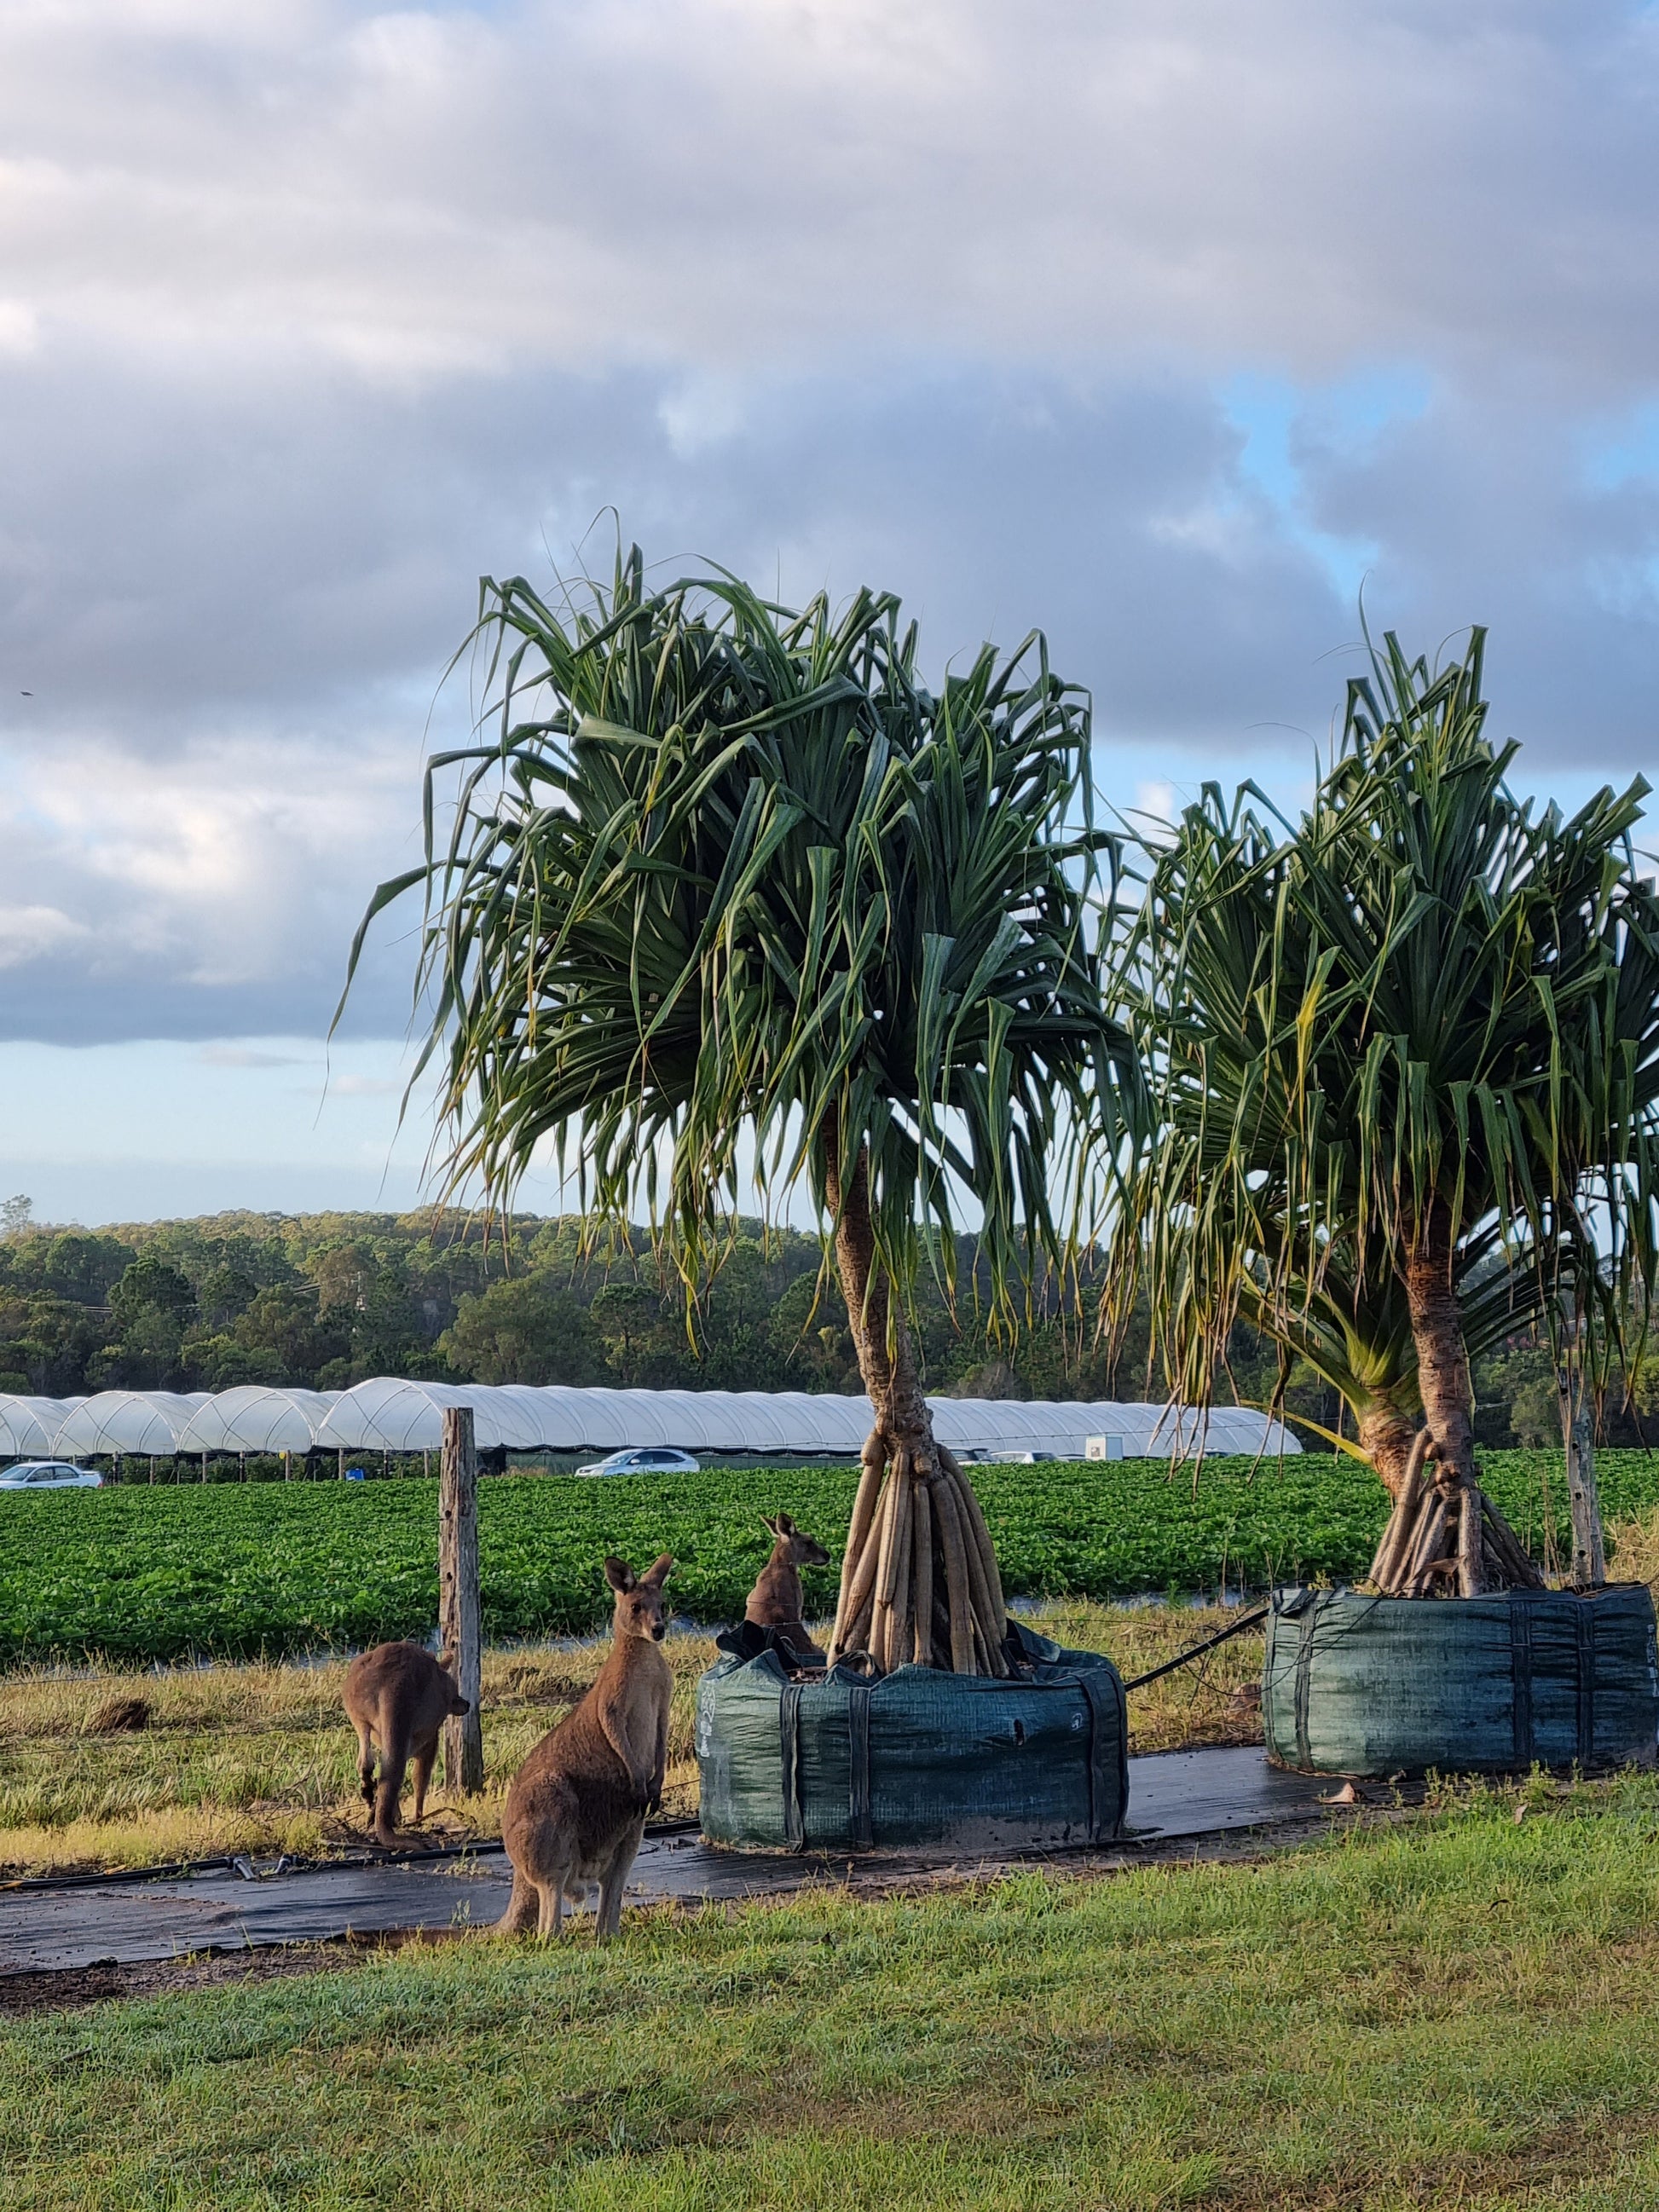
[
  {"x": 460, "y": 1625},
  {"x": 1589, "y": 1558}
]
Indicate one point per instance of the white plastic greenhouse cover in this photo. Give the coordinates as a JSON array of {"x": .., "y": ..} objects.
[
  {"x": 146, "y": 1421},
  {"x": 257, "y": 1418},
  {"x": 22, "y": 1435},
  {"x": 385, "y": 1414}
]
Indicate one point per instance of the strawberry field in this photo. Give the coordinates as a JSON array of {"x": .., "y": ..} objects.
[{"x": 141, "y": 1574}]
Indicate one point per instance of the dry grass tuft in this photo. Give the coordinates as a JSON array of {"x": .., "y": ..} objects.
[
  {"x": 119, "y": 1716},
  {"x": 1633, "y": 1550}
]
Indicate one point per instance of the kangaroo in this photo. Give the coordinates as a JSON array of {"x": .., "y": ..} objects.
[
  {"x": 399, "y": 1697},
  {"x": 776, "y": 1602},
  {"x": 576, "y": 1809}
]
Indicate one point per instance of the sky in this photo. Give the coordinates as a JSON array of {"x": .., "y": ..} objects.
[{"x": 1169, "y": 326}]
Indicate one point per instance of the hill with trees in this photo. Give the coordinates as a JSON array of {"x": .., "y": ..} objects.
[{"x": 324, "y": 1299}]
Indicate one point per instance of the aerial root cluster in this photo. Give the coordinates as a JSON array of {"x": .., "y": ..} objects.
[
  {"x": 1447, "y": 1538},
  {"x": 919, "y": 1584}
]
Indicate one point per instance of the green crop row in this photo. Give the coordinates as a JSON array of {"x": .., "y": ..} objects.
[{"x": 142, "y": 1574}]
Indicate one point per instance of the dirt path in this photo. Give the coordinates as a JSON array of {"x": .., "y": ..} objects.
[{"x": 76, "y": 1943}]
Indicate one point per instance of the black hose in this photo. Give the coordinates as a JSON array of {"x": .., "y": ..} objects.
[{"x": 1235, "y": 1628}]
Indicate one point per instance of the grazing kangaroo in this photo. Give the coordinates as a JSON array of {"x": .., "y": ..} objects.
[
  {"x": 576, "y": 1809},
  {"x": 776, "y": 1601},
  {"x": 399, "y": 1697}
]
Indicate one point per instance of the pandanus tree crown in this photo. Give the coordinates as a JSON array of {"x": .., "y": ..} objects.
[
  {"x": 1426, "y": 1013},
  {"x": 722, "y": 875}
]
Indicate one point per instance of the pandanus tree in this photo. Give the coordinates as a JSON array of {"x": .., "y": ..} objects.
[
  {"x": 1406, "y": 1057},
  {"x": 728, "y": 885}
]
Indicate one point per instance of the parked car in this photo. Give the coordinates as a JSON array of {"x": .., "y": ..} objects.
[
  {"x": 49, "y": 1474},
  {"x": 1022, "y": 1458},
  {"x": 645, "y": 1459}
]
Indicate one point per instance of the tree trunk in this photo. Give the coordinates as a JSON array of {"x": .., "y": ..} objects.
[
  {"x": 1442, "y": 1378},
  {"x": 919, "y": 1583},
  {"x": 1589, "y": 1558},
  {"x": 1386, "y": 1437},
  {"x": 460, "y": 1618},
  {"x": 1444, "y": 1534}
]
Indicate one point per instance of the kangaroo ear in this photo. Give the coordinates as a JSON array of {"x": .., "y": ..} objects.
[
  {"x": 657, "y": 1574},
  {"x": 771, "y": 1527},
  {"x": 619, "y": 1574},
  {"x": 784, "y": 1525}
]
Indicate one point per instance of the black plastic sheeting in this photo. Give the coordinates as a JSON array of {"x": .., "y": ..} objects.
[
  {"x": 1175, "y": 1795},
  {"x": 1357, "y": 1685},
  {"x": 918, "y": 1757}
]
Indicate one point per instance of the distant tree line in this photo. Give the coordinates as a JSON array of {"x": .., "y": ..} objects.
[{"x": 324, "y": 1300}]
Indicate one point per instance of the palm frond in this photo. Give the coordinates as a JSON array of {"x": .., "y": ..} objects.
[
  {"x": 1427, "y": 1005},
  {"x": 729, "y": 875}
]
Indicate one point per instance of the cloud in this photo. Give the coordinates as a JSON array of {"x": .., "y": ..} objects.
[
  {"x": 1158, "y": 325},
  {"x": 27, "y": 933},
  {"x": 241, "y": 1055},
  {"x": 423, "y": 194},
  {"x": 364, "y": 1086}
]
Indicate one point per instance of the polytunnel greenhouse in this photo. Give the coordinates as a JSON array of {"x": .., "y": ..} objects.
[{"x": 386, "y": 1415}]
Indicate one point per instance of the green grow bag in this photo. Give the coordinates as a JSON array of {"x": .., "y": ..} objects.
[
  {"x": 846, "y": 1763},
  {"x": 1382, "y": 1684}
]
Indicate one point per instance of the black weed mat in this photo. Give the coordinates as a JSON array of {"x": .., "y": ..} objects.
[{"x": 77, "y": 1925}]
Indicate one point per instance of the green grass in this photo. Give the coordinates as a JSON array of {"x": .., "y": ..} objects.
[
  {"x": 136, "y": 1573},
  {"x": 1458, "y": 2012}
]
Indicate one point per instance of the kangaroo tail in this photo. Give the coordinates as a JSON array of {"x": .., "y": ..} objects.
[{"x": 394, "y": 1760}]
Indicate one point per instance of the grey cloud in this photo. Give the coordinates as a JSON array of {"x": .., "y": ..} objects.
[
  {"x": 308, "y": 315},
  {"x": 211, "y": 778},
  {"x": 211, "y": 790},
  {"x": 1485, "y": 511},
  {"x": 735, "y": 183}
]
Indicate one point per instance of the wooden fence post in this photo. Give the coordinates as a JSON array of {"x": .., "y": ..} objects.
[
  {"x": 459, "y": 1627},
  {"x": 1589, "y": 1558}
]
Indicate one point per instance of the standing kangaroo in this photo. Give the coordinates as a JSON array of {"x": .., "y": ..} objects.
[
  {"x": 399, "y": 1697},
  {"x": 576, "y": 1809},
  {"x": 776, "y": 1601}
]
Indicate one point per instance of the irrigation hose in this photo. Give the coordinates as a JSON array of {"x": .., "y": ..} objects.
[{"x": 1236, "y": 1628}]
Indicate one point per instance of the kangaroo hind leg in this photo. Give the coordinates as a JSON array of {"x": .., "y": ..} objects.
[
  {"x": 425, "y": 1753},
  {"x": 366, "y": 1761},
  {"x": 550, "y": 1919},
  {"x": 521, "y": 1914},
  {"x": 614, "y": 1881}
]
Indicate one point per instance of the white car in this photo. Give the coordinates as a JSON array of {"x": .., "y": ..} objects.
[
  {"x": 646, "y": 1459},
  {"x": 49, "y": 1474}
]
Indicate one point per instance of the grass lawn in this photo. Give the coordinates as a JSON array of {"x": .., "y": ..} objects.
[
  {"x": 259, "y": 1758},
  {"x": 1457, "y": 2011}
]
